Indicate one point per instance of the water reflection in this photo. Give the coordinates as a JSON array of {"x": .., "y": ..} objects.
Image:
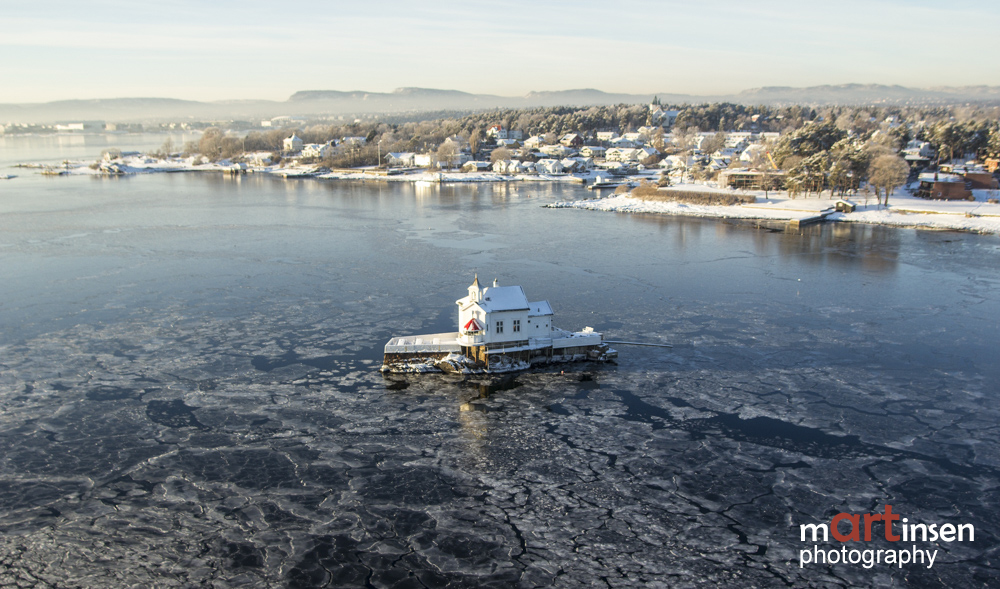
[
  {"x": 873, "y": 248},
  {"x": 869, "y": 247}
]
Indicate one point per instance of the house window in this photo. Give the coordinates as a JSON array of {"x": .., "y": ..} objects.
[
  {"x": 499, "y": 326},
  {"x": 517, "y": 325}
]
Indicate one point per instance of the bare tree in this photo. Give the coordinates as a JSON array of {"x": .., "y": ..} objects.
[
  {"x": 474, "y": 140},
  {"x": 500, "y": 154},
  {"x": 447, "y": 153},
  {"x": 887, "y": 172}
]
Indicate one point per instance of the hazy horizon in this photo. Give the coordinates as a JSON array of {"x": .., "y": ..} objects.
[{"x": 56, "y": 50}]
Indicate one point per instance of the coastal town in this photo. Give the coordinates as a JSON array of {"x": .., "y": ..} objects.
[{"x": 912, "y": 167}]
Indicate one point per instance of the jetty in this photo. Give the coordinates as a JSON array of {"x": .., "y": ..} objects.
[{"x": 499, "y": 331}]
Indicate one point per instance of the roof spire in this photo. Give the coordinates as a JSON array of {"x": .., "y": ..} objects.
[{"x": 475, "y": 282}]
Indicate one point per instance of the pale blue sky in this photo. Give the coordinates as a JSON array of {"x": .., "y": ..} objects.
[{"x": 53, "y": 50}]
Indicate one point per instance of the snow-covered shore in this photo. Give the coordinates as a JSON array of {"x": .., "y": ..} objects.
[{"x": 904, "y": 210}]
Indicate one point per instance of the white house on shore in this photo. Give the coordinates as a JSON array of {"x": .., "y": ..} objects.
[
  {"x": 292, "y": 144},
  {"x": 400, "y": 159},
  {"x": 318, "y": 150}
]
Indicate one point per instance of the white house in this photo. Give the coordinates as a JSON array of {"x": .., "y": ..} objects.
[
  {"x": 919, "y": 149},
  {"x": 534, "y": 142},
  {"x": 662, "y": 117},
  {"x": 507, "y": 167},
  {"x": 738, "y": 139},
  {"x": 726, "y": 153},
  {"x": 644, "y": 153},
  {"x": 751, "y": 152},
  {"x": 623, "y": 142},
  {"x": 577, "y": 164},
  {"x": 592, "y": 151},
  {"x": 476, "y": 166},
  {"x": 606, "y": 135},
  {"x": 620, "y": 154},
  {"x": 559, "y": 151},
  {"x": 400, "y": 159},
  {"x": 260, "y": 158},
  {"x": 353, "y": 141},
  {"x": 293, "y": 144},
  {"x": 548, "y": 166},
  {"x": 319, "y": 150},
  {"x": 501, "y": 314},
  {"x": 678, "y": 162},
  {"x": 498, "y": 132}
]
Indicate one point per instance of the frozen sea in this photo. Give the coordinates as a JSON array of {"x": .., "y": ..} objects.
[{"x": 189, "y": 393}]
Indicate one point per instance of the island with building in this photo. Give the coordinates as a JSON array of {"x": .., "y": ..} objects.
[{"x": 499, "y": 330}]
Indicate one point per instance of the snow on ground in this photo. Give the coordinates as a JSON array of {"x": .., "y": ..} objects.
[{"x": 904, "y": 210}]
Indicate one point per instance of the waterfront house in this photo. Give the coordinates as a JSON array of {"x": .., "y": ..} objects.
[
  {"x": 292, "y": 144},
  {"x": 501, "y": 314},
  {"x": 400, "y": 159},
  {"x": 318, "y": 150}
]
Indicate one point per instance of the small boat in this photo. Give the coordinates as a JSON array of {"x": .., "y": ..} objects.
[
  {"x": 499, "y": 331},
  {"x": 7, "y": 176}
]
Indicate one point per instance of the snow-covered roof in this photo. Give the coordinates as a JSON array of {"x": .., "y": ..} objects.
[
  {"x": 504, "y": 298},
  {"x": 539, "y": 308},
  {"x": 940, "y": 177}
]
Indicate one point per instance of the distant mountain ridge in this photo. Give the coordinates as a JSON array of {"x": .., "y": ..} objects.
[{"x": 318, "y": 103}]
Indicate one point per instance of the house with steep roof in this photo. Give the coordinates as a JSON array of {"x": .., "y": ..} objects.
[
  {"x": 502, "y": 314},
  {"x": 292, "y": 144}
]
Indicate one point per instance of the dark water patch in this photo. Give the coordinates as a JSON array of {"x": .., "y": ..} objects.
[
  {"x": 767, "y": 431},
  {"x": 775, "y": 433},
  {"x": 121, "y": 354},
  {"x": 242, "y": 555},
  {"x": 496, "y": 385},
  {"x": 173, "y": 414},
  {"x": 19, "y": 495},
  {"x": 558, "y": 409},
  {"x": 396, "y": 385},
  {"x": 114, "y": 393},
  {"x": 332, "y": 562},
  {"x": 253, "y": 469},
  {"x": 411, "y": 486},
  {"x": 267, "y": 364}
]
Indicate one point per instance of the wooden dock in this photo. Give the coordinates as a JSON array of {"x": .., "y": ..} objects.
[{"x": 799, "y": 223}]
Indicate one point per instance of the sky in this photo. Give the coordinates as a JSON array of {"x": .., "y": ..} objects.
[{"x": 225, "y": 50}]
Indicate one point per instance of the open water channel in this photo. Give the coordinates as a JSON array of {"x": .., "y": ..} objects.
[{"x": 190, "y": 395}]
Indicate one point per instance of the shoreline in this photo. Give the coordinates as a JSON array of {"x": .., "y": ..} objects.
[{"x": 904, "y": 210}]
